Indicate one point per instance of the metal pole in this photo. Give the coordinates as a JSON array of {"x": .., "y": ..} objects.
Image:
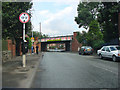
[
  {"x": 24, "y": 57},
  {"x": 40, "y": 36},
  {"x": 40, "y": 31},
  {"x": 32, "y": 37}
]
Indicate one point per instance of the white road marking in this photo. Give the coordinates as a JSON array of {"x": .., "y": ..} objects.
[{"x": 106, "y": 69}]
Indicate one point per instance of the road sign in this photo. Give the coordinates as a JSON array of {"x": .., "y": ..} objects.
[
  {"x": 24, "y": 17},
  {"x": 32, "y": 39}
]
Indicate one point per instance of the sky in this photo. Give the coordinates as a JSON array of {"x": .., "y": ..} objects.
[{"x": 56, "y": 17}]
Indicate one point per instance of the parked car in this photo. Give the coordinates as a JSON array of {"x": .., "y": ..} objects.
[
  {"x": 112, "y": 51},
  {"x": 86, "y": 50}
]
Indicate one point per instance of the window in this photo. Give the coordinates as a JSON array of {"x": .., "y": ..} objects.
[
  {"x": 103, "y": 49},
  {"x": 118, "y": 48},
  {"x": 107, "y": 49},
  {"x": 113, "y": 48}
]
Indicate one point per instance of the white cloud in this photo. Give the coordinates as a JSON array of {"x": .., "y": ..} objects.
[
  {"x": 59, "y": 22},
  {"x": 44, "y": 12},
  {"x": 59, "y": 15},
  {"x": 56, "y": 1}
]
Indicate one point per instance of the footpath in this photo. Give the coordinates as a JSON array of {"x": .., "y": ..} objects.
[{"x": 16, "y": 76}]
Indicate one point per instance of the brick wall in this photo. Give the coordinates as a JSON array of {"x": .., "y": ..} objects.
[
  {"x": 75, "y": 43},
  {"x": 9, "y": 52},
  {"x": 9, "y": 45},
  {"x": 39, "y": 45},
  {"x": 20, "y": 49},
  {"x": 12, "y": 48}
]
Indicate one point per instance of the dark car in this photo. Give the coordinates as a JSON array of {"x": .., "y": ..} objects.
[{"x": 86, "y": 50}]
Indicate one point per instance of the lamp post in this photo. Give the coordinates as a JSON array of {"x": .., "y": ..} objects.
[
  {"x": 40, "y": 36},
  {"x": 32, "y": 35}
]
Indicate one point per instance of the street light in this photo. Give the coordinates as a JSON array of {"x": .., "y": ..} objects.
[{"x": 40, "y": 36}]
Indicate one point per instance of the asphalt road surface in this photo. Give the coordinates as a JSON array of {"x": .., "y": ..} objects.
[{"x": 70, "y": 70}]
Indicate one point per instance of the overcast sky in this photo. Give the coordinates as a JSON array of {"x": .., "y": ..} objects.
[{"x": 56, "y": 17}]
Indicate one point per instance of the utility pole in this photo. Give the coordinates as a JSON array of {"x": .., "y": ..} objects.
[
  {"x": 40, "y": 36},
  {"x": 40, "y": 27},
  {"x": 32, "y": 35}
]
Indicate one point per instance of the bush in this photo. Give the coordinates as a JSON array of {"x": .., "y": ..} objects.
[
  {"x": 97, "y": 44},
  {"x": 29, "y": 43}
]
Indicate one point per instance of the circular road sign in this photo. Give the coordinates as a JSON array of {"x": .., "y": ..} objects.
[{"x": 24, "y": 17}]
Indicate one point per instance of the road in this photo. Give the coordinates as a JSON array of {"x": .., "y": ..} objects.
[{"x": 70, "y": 70}]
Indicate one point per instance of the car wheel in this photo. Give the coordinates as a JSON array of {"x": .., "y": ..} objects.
[
  {"x": 101, "y": 57},
  {"x": 114, "y": 58}
]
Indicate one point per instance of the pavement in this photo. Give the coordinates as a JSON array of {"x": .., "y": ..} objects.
[{"x": 16, "y": 76}]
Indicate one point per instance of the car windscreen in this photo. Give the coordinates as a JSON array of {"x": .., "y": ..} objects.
[
  {"x": 113, "y": 48},
  {"x": 118, "y": 48},
  {"x": 88, "y": 47}
]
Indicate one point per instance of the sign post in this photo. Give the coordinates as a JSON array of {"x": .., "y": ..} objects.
[{"x": 24, "y": 18}]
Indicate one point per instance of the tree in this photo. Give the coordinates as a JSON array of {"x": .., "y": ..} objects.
[
  {"x": 106, "y": 13},
  {"x": 29, "y": 42},
  {"x": 94, "y": 36},
  {"x": 11, "y": 26},
  {"x": 82, "y": 37},
  {"x": 108, "y": 19},
  {"x": 86, "y": 13}
]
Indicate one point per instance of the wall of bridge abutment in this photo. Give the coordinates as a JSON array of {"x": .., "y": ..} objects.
[{"x": 75, "y": 45}]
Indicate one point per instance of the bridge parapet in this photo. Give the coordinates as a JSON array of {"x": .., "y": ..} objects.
[{"x": 62, "y": 38}]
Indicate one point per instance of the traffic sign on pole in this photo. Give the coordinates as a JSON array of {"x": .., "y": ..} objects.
[
  {"x": 32, "y": 39},
  {"x": 24, "y": 18}
]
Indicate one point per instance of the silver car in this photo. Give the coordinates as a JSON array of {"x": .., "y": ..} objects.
[
  {"x": 112, "y": 51},
  {"x": 86, "y": 50}
]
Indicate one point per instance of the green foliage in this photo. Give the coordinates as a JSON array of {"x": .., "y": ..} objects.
[
  {"x": 82, "y": 37},
  {"x": 108, "y": 19},
  {"x": 44, "y": 36},
  {"x": 107, "y": 15},
  {"x": 97, "y": 44},
  {"x": 93, "y": 38},
  {"x": 11, "y": 26},
  {"x": 54, "y": 40},
  {"x": 86, "y": 13},
  {"x": 29, "y": 42},
  {"x": 94, "y": 34},
  {"x": 4, "y": 45}
]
